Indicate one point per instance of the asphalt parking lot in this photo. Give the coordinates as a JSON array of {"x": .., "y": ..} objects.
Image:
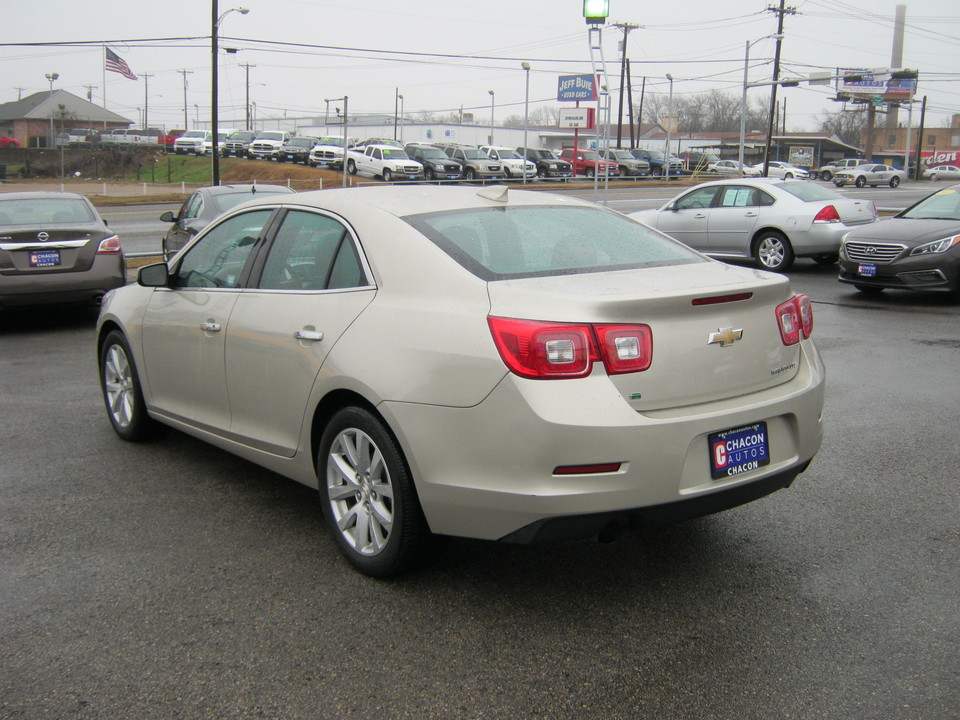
[{"x": 172, "y": 580}]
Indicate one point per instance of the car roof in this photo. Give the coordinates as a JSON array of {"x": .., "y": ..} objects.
[
  {"x": 243, "y": 188},
  {"x": 403, "y": 200}
]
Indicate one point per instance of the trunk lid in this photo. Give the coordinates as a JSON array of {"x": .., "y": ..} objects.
[{"x": 701, "y": 353}]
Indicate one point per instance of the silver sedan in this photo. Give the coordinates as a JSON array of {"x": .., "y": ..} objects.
[
  {"x": 872, "y": 175},
  {"x": 490, "y": 363},
  {"x": 771, "y": 221}
]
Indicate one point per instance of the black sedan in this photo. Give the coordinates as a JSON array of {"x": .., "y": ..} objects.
[
  {"x": 55, "y": 248},
  {"x": 918, "y": 249},
  {"x": 203, "y": 206}
]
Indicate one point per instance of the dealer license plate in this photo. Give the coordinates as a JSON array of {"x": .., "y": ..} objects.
[
  {"x": 44, "y": 258},
  {"x": 867, "y": 270},
  {"x": 740, "y": 450}
]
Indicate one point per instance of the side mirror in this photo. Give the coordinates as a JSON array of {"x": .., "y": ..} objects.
[
  {"x": 168, "y": 217},
  {"x": 155, "y": 275}
]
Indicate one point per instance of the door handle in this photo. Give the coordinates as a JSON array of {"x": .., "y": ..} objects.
[
  {"x": 310, "y": 335},
  {"x": 210, "y": 326},
  {"x": 700, "y": 216},
  {"x": 750, "y": 214}
]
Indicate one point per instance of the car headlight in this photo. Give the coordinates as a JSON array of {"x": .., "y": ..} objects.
[{"x": 937, "y": 246}]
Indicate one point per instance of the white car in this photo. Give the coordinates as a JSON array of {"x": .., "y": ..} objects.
[
  {"x": 950, "y": 173},
  {"x": 769, "y": 221},
  {"x": 384, "y": 161},
  {"x": 869, "y": 174},
  {"x": 191, "y": 141},
  {"x": 486, "y": 363},
  {"x": 782, "y": 170},
  {"x": 732, "y": 168},
  {"x": 514, "y": 166}
]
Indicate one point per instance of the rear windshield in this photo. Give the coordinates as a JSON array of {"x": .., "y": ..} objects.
[
  {"x": 808, "y": 192},
  {"x": 533, "y": 241},
  {"x": 44, "y": 210}
]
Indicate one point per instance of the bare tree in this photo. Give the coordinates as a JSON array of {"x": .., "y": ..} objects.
[{"x": 845, "y": 124}]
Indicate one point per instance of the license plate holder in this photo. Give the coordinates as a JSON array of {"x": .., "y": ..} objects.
[
  {"x": 738, "y": 450},
  {"x": 44, "y": 258},
  {"x": 867, "y": 270}
]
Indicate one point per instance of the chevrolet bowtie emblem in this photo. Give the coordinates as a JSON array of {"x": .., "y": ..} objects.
[{"x": 725, "y": 336}]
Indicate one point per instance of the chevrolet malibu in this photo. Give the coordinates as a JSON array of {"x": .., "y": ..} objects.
[{"x": 495, "y": 364}]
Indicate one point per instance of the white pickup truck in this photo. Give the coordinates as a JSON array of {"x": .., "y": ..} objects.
[
  {"x": 385, "y": 161},
  {"x": 267, "y": 144}
]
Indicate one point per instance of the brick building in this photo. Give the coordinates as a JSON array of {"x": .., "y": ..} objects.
[{"x": 28, "y": 120}]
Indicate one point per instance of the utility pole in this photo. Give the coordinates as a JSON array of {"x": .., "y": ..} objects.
[
  {"x": 247, "y": 66},
  {"x": 146, "y": 97},
  {"x": 626, "y": 27},
  {"x": 90, "y": 89},
  {"x": 19, "y": 92},
  {"x": 781, "y": 11},
  {"x": 186, "y": 122}
]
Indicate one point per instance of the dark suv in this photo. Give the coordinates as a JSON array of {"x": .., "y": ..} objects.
[
  {"x": 658, "y": 162},
  {"x": 297, "y": 150},
  {"x": 237, "y": 143},
  {"x": 548, "y": 164},
  {"x": 436, "y": 164}
]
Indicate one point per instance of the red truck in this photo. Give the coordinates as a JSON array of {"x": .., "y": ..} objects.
[{"x": 589, "y": 163}]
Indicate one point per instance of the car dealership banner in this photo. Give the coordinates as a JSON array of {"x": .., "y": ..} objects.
[{"x": 578, "y": 88}]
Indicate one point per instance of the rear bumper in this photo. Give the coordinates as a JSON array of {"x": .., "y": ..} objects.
[
  {"x": 480, "y": 476},
  {"x": 611, "y": 523},
  {"x": 108, "y": 272}
]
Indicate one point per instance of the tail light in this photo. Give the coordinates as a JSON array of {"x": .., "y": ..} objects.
[
  {"x": 109, "y": 246},
  {"x": 546, "y": 350},
  {"x": 828, "y": 214},
  {"x": 795, "y": 319}
]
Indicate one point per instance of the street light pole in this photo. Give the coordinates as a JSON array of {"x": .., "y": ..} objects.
[
  {"x": 216, "y": 19},
  {"x": 526, "y": 118},
  {"x": 146, "y": 98},
  {"x": 666, "y": 162},
  {"x": 492, "y": 101},
  {"x": 51, "y": 77}
]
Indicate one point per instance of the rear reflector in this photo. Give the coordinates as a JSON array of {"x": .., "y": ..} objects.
[{"x": 588, "y": 469}]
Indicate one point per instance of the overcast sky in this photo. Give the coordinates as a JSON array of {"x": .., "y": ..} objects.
[{"x": 306, "y": 51}]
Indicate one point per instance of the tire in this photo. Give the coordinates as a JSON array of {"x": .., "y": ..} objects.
[
  {"x": 429, "y": 174},
  {"x": 387, "y": 175},
  {"x": 367, "y": 494},
  {"x": 838, "y": 184},
  {"x": 470, "y": 173},
  {"x": 351, "y": 167},
  {"x": 826, "y": 258},
  {"x": 657, "y": 171},
  {"x": 861, "y": 182},
  {"x": 894, "y": 181},
  {"x": 122, "y": 395},
  {"x": 869, "y": 289},
  {"x": 589, "y": 172},
  {"x": 788, "y": 176},
  {"x": 826, "y": 175},
  {"x": 773, "y": 252}
]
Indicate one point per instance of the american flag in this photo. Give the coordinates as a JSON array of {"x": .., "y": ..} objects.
[{"x": 115, "y": 63}]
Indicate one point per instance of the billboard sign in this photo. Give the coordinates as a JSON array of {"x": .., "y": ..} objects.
[
  {"x": 577, "y": 88},
  {"x": 873, "y": 84}
]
